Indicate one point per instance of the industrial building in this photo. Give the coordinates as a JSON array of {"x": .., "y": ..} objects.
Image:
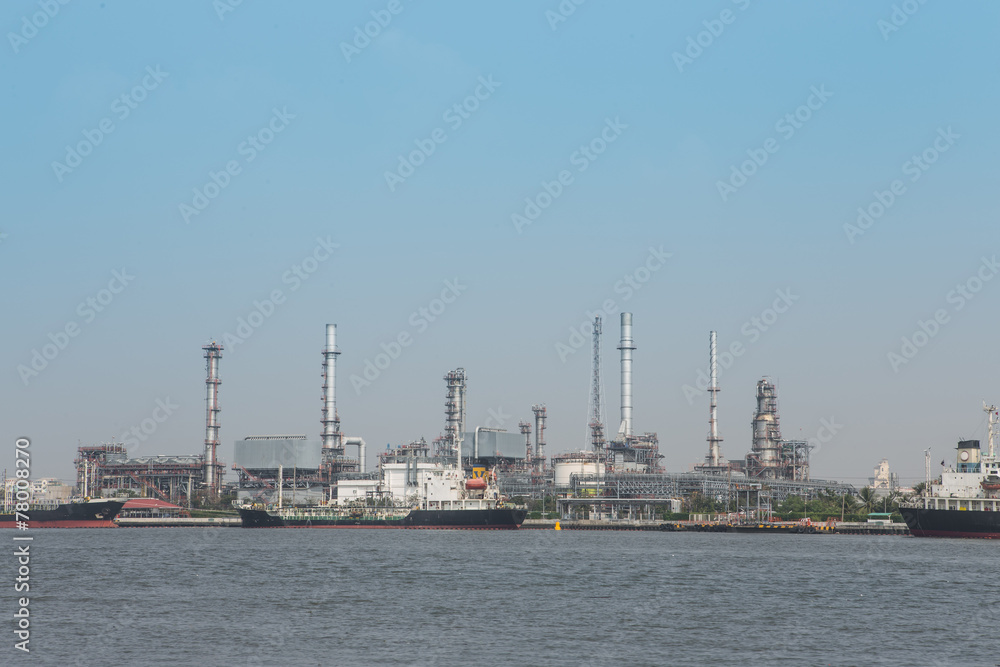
[
  {"x": 46, "y": 493},
  {"x": 613, "y": 473},
  {"x": 771, "y": 456},
  {"x": 106, "y": 469},
  {"x": 617, "y": 477},
  {"x": 302, "y": 470}
]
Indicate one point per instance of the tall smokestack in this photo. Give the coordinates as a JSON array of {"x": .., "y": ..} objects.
[
  {"x": 330, "y": 421},
  {"x": 213, "y": 353},
  {"x": 626, "y": 347},
  {"x": 714, "y": 457}
]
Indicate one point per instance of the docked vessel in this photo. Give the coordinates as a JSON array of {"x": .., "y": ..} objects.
[
  {"x": 411, "y": 490},
  {"x": 966, "y": 503},
  {"x": 82, "y": 514}
]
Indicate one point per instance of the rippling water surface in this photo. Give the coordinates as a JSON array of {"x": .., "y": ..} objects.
[{"x": 386, "y": 597}]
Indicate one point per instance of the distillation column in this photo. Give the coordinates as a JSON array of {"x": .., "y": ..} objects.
[
  {"x": 525, "y": 428},
  {"x": 213, "y": 353},
  {"x": 454, "y": 410},
  {"x": 540, "y": 416}
]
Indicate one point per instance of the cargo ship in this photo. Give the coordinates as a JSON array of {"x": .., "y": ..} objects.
[
  {"x": 966, "y": 502},
  {"x": 80, "y": 514},
  {"x": 411, "y": 490}
]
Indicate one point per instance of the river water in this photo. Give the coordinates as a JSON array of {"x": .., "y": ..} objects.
[{"x": 530, "y": 597}]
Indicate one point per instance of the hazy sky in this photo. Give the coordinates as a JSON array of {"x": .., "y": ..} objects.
[{"x": 176, "y": 164}]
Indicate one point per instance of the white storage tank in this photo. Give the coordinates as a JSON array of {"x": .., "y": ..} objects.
[{"x": 576, "y": 463}]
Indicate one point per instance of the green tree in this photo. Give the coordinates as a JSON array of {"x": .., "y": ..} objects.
[
  {"x": 701, "y": 504},
  {"x": 869, "y": 500}
]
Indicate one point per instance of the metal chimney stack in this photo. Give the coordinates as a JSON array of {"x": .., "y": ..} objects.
[
  {"x": 714, "y": 456},
  {"x": 330, "y": 421},
  {"x": 626, "y": 347},
  {"x": 213, "y": 353}
]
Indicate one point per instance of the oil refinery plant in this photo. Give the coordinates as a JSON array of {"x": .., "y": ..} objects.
[{"x": 615, "y": 474}]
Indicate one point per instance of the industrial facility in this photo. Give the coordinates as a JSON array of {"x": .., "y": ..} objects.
[
  {"x": 107, "y": 469},
  {"x": 611, "y": 476},
  {"x": 624, "y": 476},
  {"x": 307, "y": 469}
]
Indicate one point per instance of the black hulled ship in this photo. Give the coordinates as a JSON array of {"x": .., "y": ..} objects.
[
  {"x": 966, "y": 502},
  {"x": 82, "y": 514},
  {"x": 412, "y": 490}
]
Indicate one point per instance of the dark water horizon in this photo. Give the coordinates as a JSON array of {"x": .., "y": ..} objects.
[{"x": 396, "y": 597}]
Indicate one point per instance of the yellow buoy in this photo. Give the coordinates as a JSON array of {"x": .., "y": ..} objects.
[{"x": 558, "y": 527}]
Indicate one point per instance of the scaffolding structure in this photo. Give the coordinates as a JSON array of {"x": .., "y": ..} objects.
[
  {"x": 637, "y": 453},
  {"x": 106, "y": 469}
]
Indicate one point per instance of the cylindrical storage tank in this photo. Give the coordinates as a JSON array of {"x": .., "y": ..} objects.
[{"x": 574, "y": 465}]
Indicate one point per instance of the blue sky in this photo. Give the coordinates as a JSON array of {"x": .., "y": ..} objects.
[{"x": 329, "y": 127}]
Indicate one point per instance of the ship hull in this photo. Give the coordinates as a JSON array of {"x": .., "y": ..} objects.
[
  {"x": 69, "y": 515},
  {"x": 952, "y": 523},
  {"x": 485, "y": 519}
]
